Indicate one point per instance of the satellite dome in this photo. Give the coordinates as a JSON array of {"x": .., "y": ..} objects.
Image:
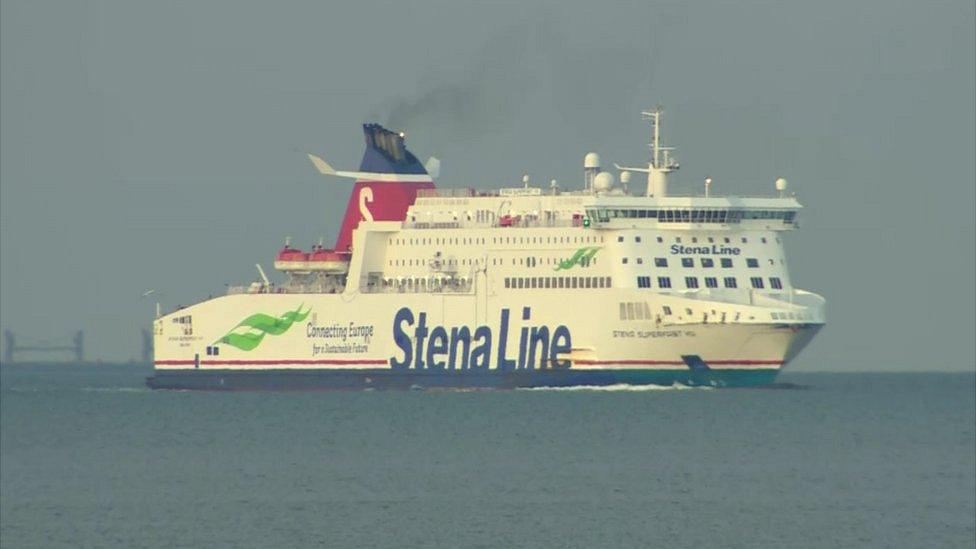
[
  {"x": 781, "y": 184},
  {"x": 591, "y": 160},
  {"x": 625, "y": 177},
  {"x": 603, "y": 181}
]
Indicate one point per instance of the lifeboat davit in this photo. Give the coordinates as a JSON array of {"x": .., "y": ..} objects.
[{"x": 328, "y": 261}]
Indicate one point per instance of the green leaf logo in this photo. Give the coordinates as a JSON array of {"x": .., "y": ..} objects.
[
  {"x": 582, "y": 255},
  {"x": 249, "y": 333}
]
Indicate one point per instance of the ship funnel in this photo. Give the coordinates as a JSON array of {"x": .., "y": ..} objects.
[{"x": 387, "y": 183}]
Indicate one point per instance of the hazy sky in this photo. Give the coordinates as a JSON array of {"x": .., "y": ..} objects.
[{"x": 161, "y": 145}]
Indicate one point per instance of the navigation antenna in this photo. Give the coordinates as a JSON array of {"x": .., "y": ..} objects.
[{"x": 661, "y": 163}]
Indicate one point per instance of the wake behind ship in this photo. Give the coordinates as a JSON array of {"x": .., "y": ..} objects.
[{"x": 515, "y": 287}]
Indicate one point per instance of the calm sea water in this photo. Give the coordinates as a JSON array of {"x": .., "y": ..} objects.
[{"x": 91, "y": 458}]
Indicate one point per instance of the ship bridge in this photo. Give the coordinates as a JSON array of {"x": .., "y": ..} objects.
[{"x": 712, "y": 213}]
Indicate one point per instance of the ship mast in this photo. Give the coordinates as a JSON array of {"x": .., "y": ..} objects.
[{"x": 661, "y": 163}]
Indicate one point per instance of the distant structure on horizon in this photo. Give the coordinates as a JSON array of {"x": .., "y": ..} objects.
[{"x": 12, "y": 349}]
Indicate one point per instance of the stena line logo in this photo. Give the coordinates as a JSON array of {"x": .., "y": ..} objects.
[
  {"x": 705, "y": 250},
  {"x": 439, "y": 348}
]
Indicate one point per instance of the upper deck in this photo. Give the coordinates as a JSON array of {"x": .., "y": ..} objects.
[{"x": 529, "y": 207}]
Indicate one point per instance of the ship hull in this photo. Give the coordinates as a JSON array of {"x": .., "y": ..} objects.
[
  {"x": 384, "y": 379},
  {"x": 325, "y": 342}
]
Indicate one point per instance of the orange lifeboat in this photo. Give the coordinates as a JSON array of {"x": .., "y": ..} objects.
[
  {"x": 329, "y": 261},
  {"x": 291, "y": 259}
]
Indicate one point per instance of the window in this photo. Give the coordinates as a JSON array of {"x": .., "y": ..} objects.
[
  {"x": 636, "y": 239},
  {"x": 691, "y": 282},
  {"x": 726, "y": 263},
  {"x": 666, "y": 309},
  {"x": 707, "y": 262},
  {"x": 663, "y": 282},
  {"x": 659, "y": 239},
  {"x": 620, "y": 239},
  {"x": 660, "y": 262},
  {"x": 711, "y": 282},
  {"x": 607, "y": 280},
  {"x": 625, "y": 261},
  {"x": 643, "y": 282},
  {"x": 775, "y": 283},
  {"x": 726, "y": 239},
  {"x": 757, "y": 282},
  {"x": 730, "y": 282},
  {"x": 640, "y": 260},
  {"x": 763, "y": 240},
  {"x": 752, "y": 262},
  {"x": 745, "y": 240},
  {"x": 508, "y": 282},
  {"x": 687, "y": 262}
]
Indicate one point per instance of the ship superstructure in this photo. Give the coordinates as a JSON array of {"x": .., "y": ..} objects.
[{"x": 524, "y": 286}]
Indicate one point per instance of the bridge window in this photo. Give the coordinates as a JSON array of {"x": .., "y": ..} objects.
[
  {"x": 757, "y": 282},
  {"x": 663, "y": 282},
  {"x": 691, "y": 282},
  {"x": 711, "y": 282},
  {"x": 643, "y": 282},
  {"x": 730, "y": 282},
  {"x": 775, "y": 283}
]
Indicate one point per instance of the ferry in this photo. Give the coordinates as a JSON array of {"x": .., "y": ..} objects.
[{"x": 614, "y": 281}]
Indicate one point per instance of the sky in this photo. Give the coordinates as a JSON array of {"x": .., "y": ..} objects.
[{"x": 161, "y": 145}]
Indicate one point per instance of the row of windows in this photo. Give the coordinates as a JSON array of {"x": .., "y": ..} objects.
[
  {"x": 558, "y": 282},
  {"x": 691, "y": 282},
  {"x": 496, "y": 240},
  {"x": 641, "y": 311},
  {"x": 694, "y": 239},
  {"x": 693, "y": 216},
  {"x": 526, "y": 261},
  {"x": 706, "y": 262}
]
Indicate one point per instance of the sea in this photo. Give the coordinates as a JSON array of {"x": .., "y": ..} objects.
[{"x": 91, "y": 458}]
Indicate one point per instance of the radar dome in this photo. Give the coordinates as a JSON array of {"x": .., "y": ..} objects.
[
  {"x": 603, "y": 181},
  {"x": 591, "y": 160},
  {"x": 781, "y": 184}
]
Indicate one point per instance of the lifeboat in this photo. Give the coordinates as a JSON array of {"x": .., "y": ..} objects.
[
  {"x": 291, "y": 259},
  {"x": 329, "y": 261}
]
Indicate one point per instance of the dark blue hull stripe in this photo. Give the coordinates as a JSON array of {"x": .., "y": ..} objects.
[{"x": 339, "y": 379}]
